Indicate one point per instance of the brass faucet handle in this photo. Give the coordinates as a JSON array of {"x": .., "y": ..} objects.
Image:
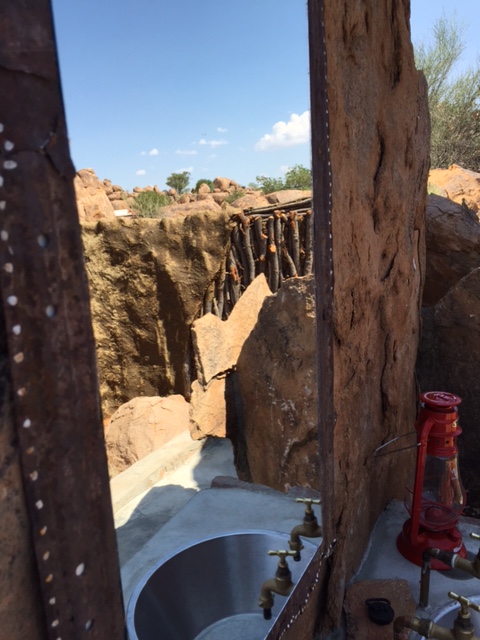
[
  {"x": 312, "y": 501},
  {"x": 475, "y": 536},
  {"x": 465, "y": 603}
]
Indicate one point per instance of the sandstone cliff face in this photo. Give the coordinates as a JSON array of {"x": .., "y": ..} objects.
[
  {"x": 379, "y": 149},
  {"x": 147, "y": 281}
]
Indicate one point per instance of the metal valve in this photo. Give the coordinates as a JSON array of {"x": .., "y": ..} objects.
[
  {"x": 310, "y": 501},
  {"x": 282, "y": 554},
  {"x": 465, "y": 603},
  {"x": 475, "y": 536}
]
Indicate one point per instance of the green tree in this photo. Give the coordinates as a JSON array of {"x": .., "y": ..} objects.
[
  {"x": 298, "y": 177},
  {"x": 178, "y": 181},
  {"x": 269, "y": 185},
  {"x": 454, "y": 101}
]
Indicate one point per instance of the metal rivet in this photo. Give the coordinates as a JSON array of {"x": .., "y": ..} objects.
[
  {"x": 30, "y": 450},
  {"x": 19, "y": 357},
  {"x": 10, "y": 164},
  {"x": 8, "y": 267},
  {"x": 80, "y": 569},
  {"x": 55, "y": 623},
  {"x": 43, "y": 531},
  {"x": 8, "y": 144},
  {"x": 22, "y": 392},
  {"x": 1, "y": 181},
  {"x": 12, "y": 300},
  {"x": 17, "y": 329},
  {"x": 2, "y": 127},
  {"x": 34, "y": 476},
  {"x": 52, "y": 601},
  {"x": 3, "y": 205},
  {"x": 89, "y": 625},
  {"x": 50, "y": 311},
  {"x": 49, "y": 578},
  {"x": 27, "y": 423},
  {"x": 4, "y": 234},
  {"x": 39, "y": 504},
  {"x": 42, "y": 241},
  {"x": 46, "y": 555}
]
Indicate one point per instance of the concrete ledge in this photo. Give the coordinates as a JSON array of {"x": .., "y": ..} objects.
[{"x": 145, "y": 473}]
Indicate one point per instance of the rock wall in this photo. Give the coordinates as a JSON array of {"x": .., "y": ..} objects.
[
  {"x": 448, "y": 360},
  {"x": 379, "y": 150},
  {"x": 147, "y": 281}
]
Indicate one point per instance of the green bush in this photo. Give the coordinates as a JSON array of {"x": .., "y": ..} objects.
[
  {"x": 454, "y": 101},
  {"x": 148, "y": 203},
  {"x": 203, "y": 181},
  {"x": 234, "y": 196}
]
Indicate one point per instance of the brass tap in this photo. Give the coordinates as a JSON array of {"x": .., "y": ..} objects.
[
  {"x": 281, "y": 584},
  {"x": 462, "y": 627},
  {"x": 457, "y": 562},
  {"x": 450, "y": 559},
  {"x": 309, "y": 527}
]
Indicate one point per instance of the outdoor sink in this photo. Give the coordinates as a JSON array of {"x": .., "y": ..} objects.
[
  {"x": 210, "y": 589},
  {"x": 447, "y": 614}
]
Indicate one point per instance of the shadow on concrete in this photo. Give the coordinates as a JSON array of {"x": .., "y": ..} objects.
[{"x": 161, "y": 503}]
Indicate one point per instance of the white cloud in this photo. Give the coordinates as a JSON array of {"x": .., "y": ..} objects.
[
  {"x": 221, "y": 130},
  {"x": 186, "y": 152},
  {"x": 287, "y": 134},
  {"x": 141, "y": 172},
  {"x": 153, "y": 152},
  {"x": 212, "y": 143}
]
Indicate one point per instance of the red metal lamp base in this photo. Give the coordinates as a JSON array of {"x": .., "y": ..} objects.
[{"x": 450, "y": 540}]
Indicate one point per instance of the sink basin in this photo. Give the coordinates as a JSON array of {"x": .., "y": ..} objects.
[
  {"x": 446, "y": 615},
  {"x": 210, "y": 589}
]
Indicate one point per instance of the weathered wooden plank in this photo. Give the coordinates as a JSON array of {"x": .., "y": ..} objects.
[
  {"x": 297, "y": 616},
  {"x": 51, "y": 349}
]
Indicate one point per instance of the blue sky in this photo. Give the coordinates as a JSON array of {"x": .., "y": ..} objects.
[{"x": 217, "y": 88}]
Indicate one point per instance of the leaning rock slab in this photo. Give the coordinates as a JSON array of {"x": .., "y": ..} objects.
[
  {"x": 217, "y": 344},
  {"x": 453, "y": 246},
  {"x": 210, "y": 409},
  {"x": 277, "y": 379},
  {"x": 141, "y": 426}
]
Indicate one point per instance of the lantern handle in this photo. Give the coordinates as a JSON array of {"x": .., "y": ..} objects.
[{"x": 385, "y": 453}]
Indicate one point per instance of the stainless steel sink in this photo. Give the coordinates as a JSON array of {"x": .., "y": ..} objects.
[
  {"x": 446, "y": 615},
  {"x": 210, "y": 590}
]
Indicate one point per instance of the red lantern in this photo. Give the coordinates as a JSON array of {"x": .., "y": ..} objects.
[{"x": 438, "y": 497}]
